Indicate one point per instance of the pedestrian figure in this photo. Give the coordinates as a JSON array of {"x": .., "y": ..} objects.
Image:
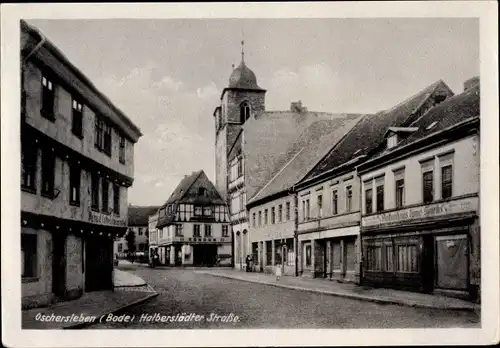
[{"x": 278, "y": 272}]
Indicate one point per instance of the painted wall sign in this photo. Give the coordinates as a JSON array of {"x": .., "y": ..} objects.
[
  {"x": 469, "y": 204},
  {"x": 104, "y": 219}
]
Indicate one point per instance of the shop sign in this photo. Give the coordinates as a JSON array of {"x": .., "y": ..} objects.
[
  {"x": 425, "y": 211},
  {"x": 104, "y": 219}
]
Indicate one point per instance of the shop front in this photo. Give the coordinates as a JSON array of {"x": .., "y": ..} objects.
[{"x": 438, "y": 253}]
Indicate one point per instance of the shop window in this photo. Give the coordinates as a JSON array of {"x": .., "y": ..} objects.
[
  {"x": 350, "y": 254},
  {"x": 255, "y": 253},
  {"x": 388, "y": 258},
  {"x": 348, "y": 204},
  {"x": 269, "y": 253},
  {"x": 335, "y": 202},
  {"x": 374, "y": 258},
  {"x": 308, "y": 251},
  {"x": 278, "y": 251},
  {"x": 105, "y": 196},
  {"x": 208, "y": 230},
  {"x": 116, "y": 199},
  {"x": 368, "y": 201},
  {"x": 407, "y": 259},
  {"x": 225, "y": 231},
  {"x": 336, "y": 255},
  {"x": 74, "y": 184},
  {"x": 48, "y": 173},
  {"x": 428, "y": 186},
  {"x": 446, "y": 181},
  {"x": 48, "y": 98},
  {"x": 28, "y": 166},
  {"x": 94, "y": 183},
  {"x": 29, "y": 255},
  {"x": 289, "y": 257},
  {"x": 77, "y": 118},
  {"x": 380, "y": 198}
]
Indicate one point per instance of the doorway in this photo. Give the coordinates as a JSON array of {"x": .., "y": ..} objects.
[
  {"x": 98, "y": 263},
  {"x": 204, "y": 254},
  {"x": 452, "y": 262},
  {"x": 59, "y": 265}
]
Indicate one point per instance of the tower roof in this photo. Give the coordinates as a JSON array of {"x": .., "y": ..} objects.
[{"x": 243, "y": 77}]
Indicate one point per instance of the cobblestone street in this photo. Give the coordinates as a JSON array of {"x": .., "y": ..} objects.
[{"x": 263, "y": 306}]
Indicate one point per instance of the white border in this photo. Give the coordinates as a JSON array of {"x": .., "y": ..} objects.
[{"x": 11, "y": 315}]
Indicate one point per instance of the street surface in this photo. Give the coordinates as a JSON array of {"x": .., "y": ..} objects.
[{"x": 182, "y": 291}]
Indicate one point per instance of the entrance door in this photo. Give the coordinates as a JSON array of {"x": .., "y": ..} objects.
[
  {"x": 59, "y": 265},
  {"x": 98, "y": 264},
  {"x": 452, "y": 262},
  {"x": 204, "y": 255},
  {"x": 178, "y": 255}
]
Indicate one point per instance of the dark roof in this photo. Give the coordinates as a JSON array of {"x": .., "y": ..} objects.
[
  {"x": 187, "y": 191},
  {"x": 367, "y": 134},
  {"x": 138, "y": 215},
  {"x": 444, "y": 115},
  {"x": 310, "y": 147},
  {"x": 242, "y": 77},
  {"x": 269, "y": 136}
]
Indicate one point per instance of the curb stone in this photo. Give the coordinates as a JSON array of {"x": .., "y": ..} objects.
[
  {"x": 119, "y": 309},
  {"x": 378, "y": 300}
]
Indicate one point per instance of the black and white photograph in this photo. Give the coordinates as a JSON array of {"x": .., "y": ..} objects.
[{"x": 191, "y": 173}]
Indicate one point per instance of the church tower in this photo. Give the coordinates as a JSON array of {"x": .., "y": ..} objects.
[{"x": 240, "y": 100}]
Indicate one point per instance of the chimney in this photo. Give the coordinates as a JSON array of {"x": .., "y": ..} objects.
[
  {"x": 297, "y": 106},
  {"x": 471, "y": 82}
]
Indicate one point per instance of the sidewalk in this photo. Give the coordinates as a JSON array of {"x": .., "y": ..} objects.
[
  {"x": 353, "y": 291},
  {"x": 129, "y": 291}
]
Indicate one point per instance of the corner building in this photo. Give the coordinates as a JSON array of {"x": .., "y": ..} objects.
[{"x": 77, "y": 162}]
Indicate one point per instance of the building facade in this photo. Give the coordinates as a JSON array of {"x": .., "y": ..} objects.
[
  {"x": 194, "y": 226},
  {"x": 77, "y": 164},
  {"x": 420, "y": 202},
  {"x": 138, "y": 224},
  {"x": 153, "y": 233}
]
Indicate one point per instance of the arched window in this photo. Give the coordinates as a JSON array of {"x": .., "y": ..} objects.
[{"x": 244, "y": 112}]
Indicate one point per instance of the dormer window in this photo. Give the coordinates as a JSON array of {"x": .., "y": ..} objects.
[
  {"x": 392, "y": 141},
  {"x": 244, "y": 112}
]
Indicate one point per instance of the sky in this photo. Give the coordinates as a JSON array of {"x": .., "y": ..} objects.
[{"x": 167, "y": 75}]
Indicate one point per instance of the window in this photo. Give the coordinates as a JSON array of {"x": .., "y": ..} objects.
[
  {"x": 28, "y": 166},
  {"x": 98, "y": 141},
  {"x": 74, "y": 184},
  {"x": 388, "y": 258},
  {"x": 287, "y": 211},
  {"x": 244, "y": 112},
  {"x": 253, "y": 220},
  {"x": 207, "y": 211},
  {"x": 208, "y": 230},
  {"x": 122, "y": 150},
  {"x": 308, "y": 255},
  {"x": 407, "y": 259},
  {"x": 260, "y": 218},
  {"x": 320, "y": 205},
  {"x": 48, "y": 169},
  {"x": 77, "y": 124},
  {"x": 48, "y": 98},
  {"x": 202, "y": 191},
  {"x": 374, "y": 258},
  {"x": 273, "y": 215},
  {"x": 348, "y": 202},
  {"x": 94, "y": 183},
  {"x": 265, "y": 217},
  {"x": 178, "y": 230},
  {"x": 198, "y": 211},
  {"x": 269, "y": 252},
  {"x": 380, "y": 197},
  {"x": 29, "y": 255},
  {"x": 107, "y": 140},
  {"x": 197, "y": 231},
  {"x": 225, "y": 231},
  {"x": 400, "y": 193},
  {"x": 428, "y": 186},
  {"x": 446, "y": 181},
  {"x": 335, "y": 202},
  {"x": 120, "y": 247},
  {"x": 105, "y": 195},
  {"x": 369, "y": 201},
  {"x": 139, "y": 231},
  {"x": 392, "y": 141},
  {"x": 240, "y": 167},
  {"x": 116, "y": 199},
  {"x": 280, "y": 213}
]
